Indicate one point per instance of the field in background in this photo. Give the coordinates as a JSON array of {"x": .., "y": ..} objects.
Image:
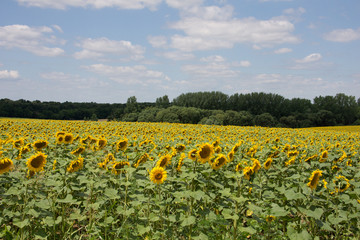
[{"x": 129, "y": 180}]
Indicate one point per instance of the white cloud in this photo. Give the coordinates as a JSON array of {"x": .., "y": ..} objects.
[
  {"x": 213, "y": 67},
  {"x": 158, "y": 41},
  {"x": 283, "y": 50},
  {"x": 138, "y": 74},
  {"x": 343, "y": 35},
  {"x": 31, "y": 39},
  {"x": 178, "y": 55},
  {"x": 244, "y": 64},
  {"x": 310, "y": 58},
  {"x": 214, "y": 58},
  {"x": 6, "y": 74},
  {"x": 63, "y": 4},
  {"x": 101, "y": 47},
  {"x": 205, "y": 34},
  {"x": 184, "y": 4}
]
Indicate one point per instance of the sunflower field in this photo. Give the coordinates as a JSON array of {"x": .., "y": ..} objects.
[{"x": 137, "y": 180}]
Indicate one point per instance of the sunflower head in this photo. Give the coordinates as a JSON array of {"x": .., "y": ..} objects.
[
  {"x": 6, "y": 165},
  {"x": 18, "y": 143},
  {"x": 205, "y": 152},
  {"x": 78, "y": 151},
  {"x": 122, "y": 145},
  {"x": 231, "y": 155},
  {"x": 180, "y": 148},
  {"x": 36, "y": 162},
  {"x": 60, "y": 139},
  {"x": 142, "y": 159},
  {"x": 101, "y": 143},
  {"x": 256, "y": 165},
  {"x": 219, "y": 162},
  {"x": 158, "y": 175},
  {"x": 40, "y": 144},
  {"x": 314, "y": 179},
  {"x": 341, "y": 183},
  {"x": 118, "y": 167},
  {"x": 248, "y": 171},
  {"x": 164, "y": 161},
  {"x": 68, "y": 138},
  {"x": 75, "y": 165},
  {"x": 267, "y": 163},
  {"x": 192, "y": 154}
]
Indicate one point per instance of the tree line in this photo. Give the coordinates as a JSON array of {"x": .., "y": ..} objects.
[{"x": 216, "y": 108}]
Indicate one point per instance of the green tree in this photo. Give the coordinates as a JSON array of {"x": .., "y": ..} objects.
[
  {"x": 131, "y": 105},
  {"x": 162, "y": 102},
  {"x": 265, "y": 120}
]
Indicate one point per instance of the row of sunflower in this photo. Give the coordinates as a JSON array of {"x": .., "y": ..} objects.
[{"x": 239, "y": 180}]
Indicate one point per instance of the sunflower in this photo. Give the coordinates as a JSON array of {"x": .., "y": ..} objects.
[
  {"x": 40, "y": 144},
  {"x": 240, "y": 166},
  {"x": 267, "y": 163},
  {"x": 256, "y": 165},
  {"x": 270, "y": 218},
  {"x": 18, "y": 143},
  {"x": 142, "y": 159},
  {"x": 30, "y": 173},
  {"x": 75, "y": 165},
  {"x": 314, "y": 179},
  {"x": 54, "y": 165},
  {"x": 164, "y": 161},
  {"x": 122, "y": 145},
  {"x": 60, "y": 139},
  {"x": 158, "y": 175},
  {"x": 219, "y": 162},
  {"x": 216, "y": 143},
  {"x": 180, "y": 148},
  {"x": 341, "y": 183},
  {"x": 181, "y": 162},
  {"x": 236, "y": 147},
  {"x": 101, "y": 143},
  {"x": 59, "y": 133},
  {"x": 290, "y": 161},
  {"x": 37, "y": 162},
  {"x": 248, "y": 171},
  {"x": 68, "y": 138},
  {"x": 231, "y": 155},
  {"x": 78, "y": 151},
  {"x": 323, "y": 156},
  {"x": 205, "y": 152},
  {"x": 110, "y": 158},
  {"x": 192, "y": 154},
  {"x": 117, "y": 168},
  {"x": 6, "y": 165},
  {"x": 311, "y": 158},
  {"x": 218, "y": 149}
]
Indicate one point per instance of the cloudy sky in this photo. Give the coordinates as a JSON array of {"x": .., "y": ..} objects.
[{"x": 108, "y": 50}]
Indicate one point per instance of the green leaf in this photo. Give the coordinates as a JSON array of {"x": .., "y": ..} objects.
[
  {"x": 292, "y": 195},
  {"x": 278, "y": 211},
  {"x": 49, "y": 221},
  {"x": 228, "y": 214},
  {"x": 142, "y": 229},
  {"x": 294, "y": 235},
  {"x": 249, "y": 230},
  {"x": 111, "y": 193},
  {"x": 225, "y": 192},
  {"x": 188, "y": 221},
  {"x": 202, "y": 236},
  {"x": 33, "y": 213},
  {"x": 68, "y": 199},
  {"x": 314, "y": 213},
  {"x": 22, "y": 224}
]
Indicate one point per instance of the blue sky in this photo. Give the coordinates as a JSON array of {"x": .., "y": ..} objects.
[{"x": 108, "y": 50}]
